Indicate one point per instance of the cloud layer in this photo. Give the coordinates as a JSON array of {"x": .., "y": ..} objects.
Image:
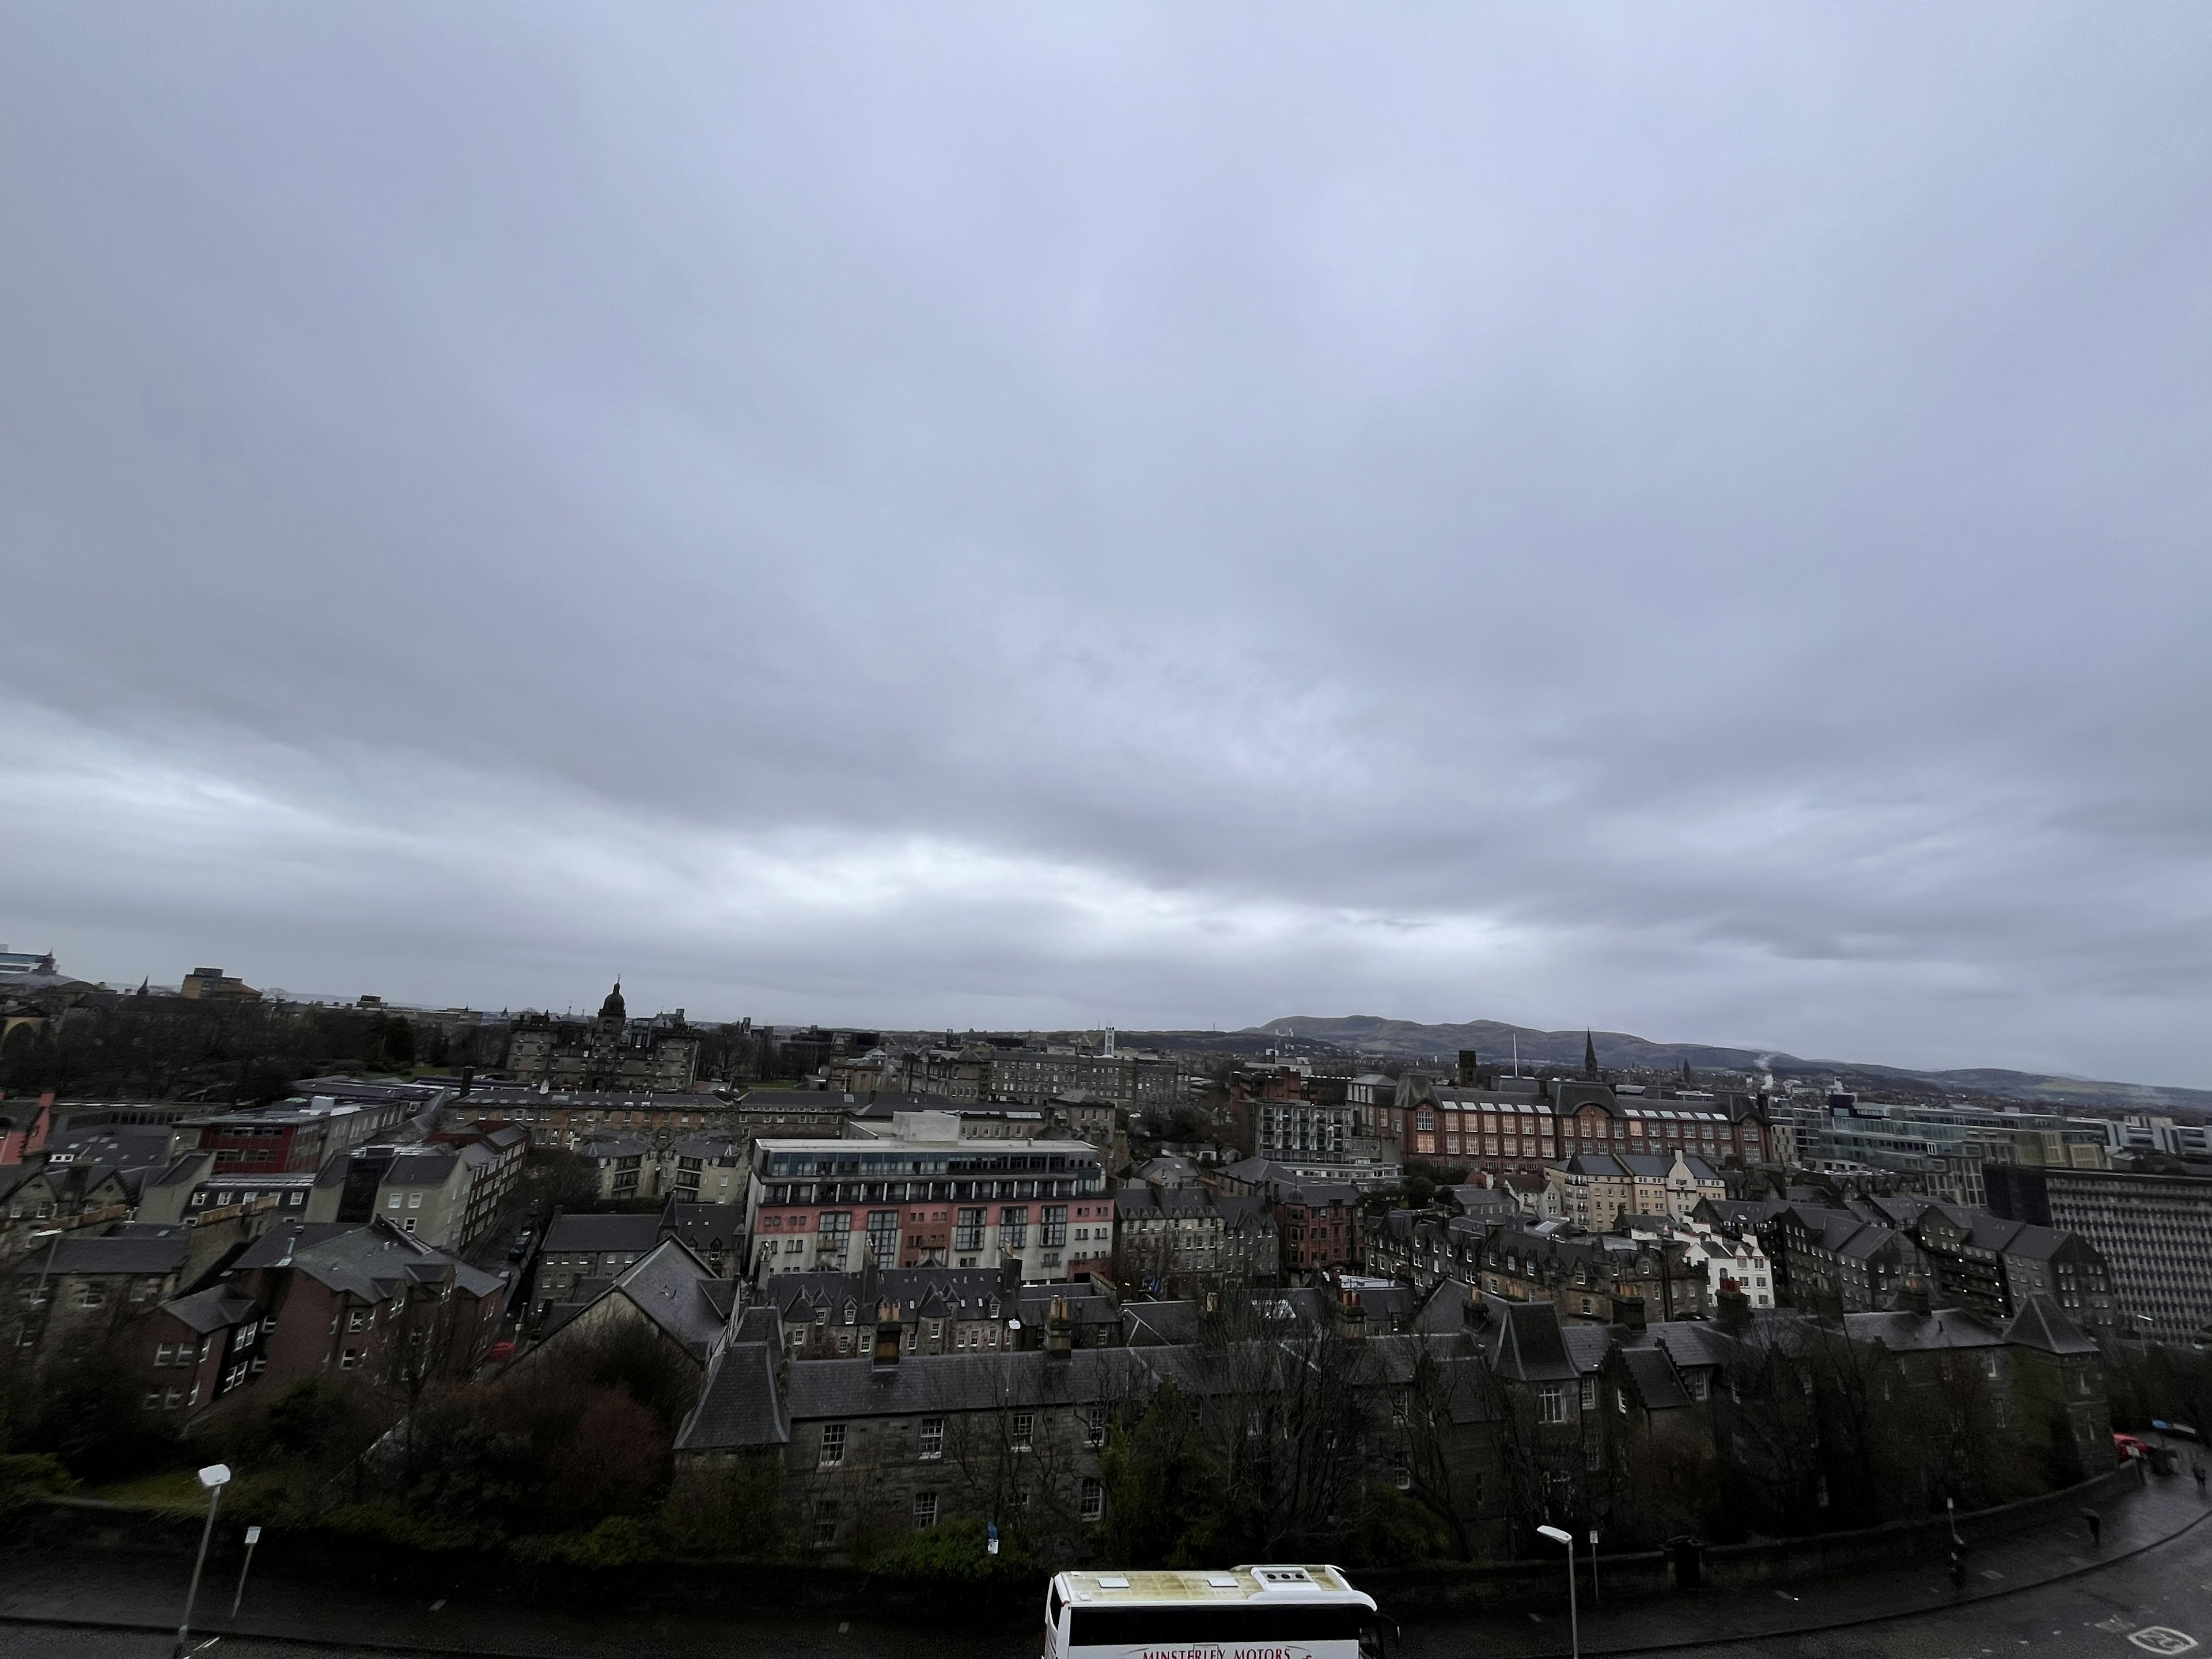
[{"x": 1689, "y": 519}]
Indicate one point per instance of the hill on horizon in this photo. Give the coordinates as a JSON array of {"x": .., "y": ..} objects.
[{"x": 1403, "y": 1039}]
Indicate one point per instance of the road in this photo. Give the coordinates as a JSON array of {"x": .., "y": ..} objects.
[{"x": 2156, "y": 1603}]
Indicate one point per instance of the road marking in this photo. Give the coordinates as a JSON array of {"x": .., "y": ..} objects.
[
  {"x": 2159, "y": 1638},
  {"x": 1991, "y": 1573},
  {"x": 2119, "y": 1624}
]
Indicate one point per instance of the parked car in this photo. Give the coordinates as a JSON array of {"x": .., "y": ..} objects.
[{"x": 2128, "y": 1446}]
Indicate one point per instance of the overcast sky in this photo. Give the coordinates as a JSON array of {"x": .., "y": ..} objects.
[{"x": 1690, "y": 519}]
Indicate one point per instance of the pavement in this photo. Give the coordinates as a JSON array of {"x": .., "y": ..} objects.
[{"x": 2147, "y": 1589}]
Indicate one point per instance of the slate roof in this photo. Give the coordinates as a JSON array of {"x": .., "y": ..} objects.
[
  {"x": 162, "y": 1252},
  {"x": 421, "y": 1169},
  {"x": 211, "y": 1309},
  {"x": 1525, "y": 1343},
  {"x": 370, "y": 1261},
  {"x": 1587, "y": 1345},
  {"x": 741, "y": 1405},
  {"x": 1169, "y": 1171},
  {"x": 2040, "y": 1324},
  {"x": 573, "y": 1234},
  {"x": 1240, "y": 1211},
  {"x": 1906, "y": 1331},
  {"x": 280, "y": 1242},
  {"x": 1602, "y": 1165},
  {"x": 943, "y": 1292},
  {"x": 675, "y": 1290},
  {"x": 705, "y": 1226},
  {"x": 1658, "y": 1386}
]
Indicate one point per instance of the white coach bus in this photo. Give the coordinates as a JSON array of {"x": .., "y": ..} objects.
[{"x": 1233, "y": 1612}]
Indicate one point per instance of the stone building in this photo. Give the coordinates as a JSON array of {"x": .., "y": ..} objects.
[{"x": 611, "y": 1051}]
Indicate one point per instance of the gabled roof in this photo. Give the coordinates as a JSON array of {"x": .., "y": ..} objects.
[
  {"x": 671, "y": 1287},
  {"x": 211, "y": 1309},
  {"x": 371, "y": 1262},
  {"x": 2041, "y": 1325},
  {"x": 1527, "y": 1345},
  {"x": 742, "y": 1405},
  {"x": 705, "y": 1226}
]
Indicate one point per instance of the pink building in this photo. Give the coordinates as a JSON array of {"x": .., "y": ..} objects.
[{"x": 828, "y": 1204}]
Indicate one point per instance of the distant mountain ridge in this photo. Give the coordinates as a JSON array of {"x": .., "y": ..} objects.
[{"x": 1403, "y": 1039}]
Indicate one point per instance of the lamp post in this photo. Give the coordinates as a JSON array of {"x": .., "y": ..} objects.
[
  {"x": 215, "y": 1477},
  {"x": 38, "y": 1295},
  {"x": 1559, "y": 1535}
]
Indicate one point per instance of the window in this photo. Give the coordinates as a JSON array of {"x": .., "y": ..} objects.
[
  {"x": 1055, "y": 1226},
  {"x": 90, "y": 1296},
  {"x": 1014, "y": 1226},
  {"x": 833, "y": 1445},
  {"x": 166, "y": 1354},
  {"x": 1093, "y": 1425},
  {"x": 1552, "y": 1403},
  {"x": 968, "y": 1232},
  {"x": 825, "y": 1522},
  {"x": 1589, "y": 1393},
  {"x": 414, "y": 1200},
  {"x": 924, "y": 1508},
  {"x": 411, "y": 1224},
  {"x": 1093, "y": 1501},
  {"x": 931, "y": 1443},
  {"x": 1024, "y": 1431},
  {"x": 173, "y": 1398},
  {"x": 350, "y": 1358},
  {"x": 395, "y": 1201}
]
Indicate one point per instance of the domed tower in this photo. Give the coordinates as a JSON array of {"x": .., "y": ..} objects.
[{"x": 613, "y": 1007}]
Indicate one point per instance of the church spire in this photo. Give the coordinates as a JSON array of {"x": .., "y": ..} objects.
[{"x": 1589, "y": 1055}]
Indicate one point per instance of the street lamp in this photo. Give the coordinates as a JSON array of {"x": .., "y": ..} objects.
[
  {"x": 215, "y": 1477},
  {"x": 38, "y": 1295},
  {"x": 1559, "y": 1535}
]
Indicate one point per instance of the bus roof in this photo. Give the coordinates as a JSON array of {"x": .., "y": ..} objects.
[{"x": 1216, "y": 1584}]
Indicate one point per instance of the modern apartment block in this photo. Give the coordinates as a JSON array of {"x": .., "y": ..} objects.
[{"x": 2155, "y": 1232}]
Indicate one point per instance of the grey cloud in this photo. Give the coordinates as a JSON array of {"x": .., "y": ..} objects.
[{"x": 1690, "y": 519}]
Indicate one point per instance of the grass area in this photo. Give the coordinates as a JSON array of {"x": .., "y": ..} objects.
[{"x": 180, "y": 1489}]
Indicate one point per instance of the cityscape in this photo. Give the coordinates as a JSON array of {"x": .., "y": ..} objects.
[
  {"x": 982, "y": 831},
  {"x": 637, "y": 1286}
]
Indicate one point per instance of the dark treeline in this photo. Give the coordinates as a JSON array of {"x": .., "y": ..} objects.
[{"x": 247, "y": 1053}]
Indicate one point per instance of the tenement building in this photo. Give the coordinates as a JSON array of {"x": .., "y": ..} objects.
[
  {"x": 2154, "y": 1231},
  {"x": 950, "y": 1203}
]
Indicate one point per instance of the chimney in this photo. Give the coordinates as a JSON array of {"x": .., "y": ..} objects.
[
  {"x": 1733, "y": 1306},
  {"x": 468, "y": 1080},
  {"x": 888, "y": 1335},
  {"x": 1059, "y": 1330},
  {"x": 1912, "y": 1296},
  {"x": 1352, "y": 1313},
  {"x": 1628, "y": 1312}
]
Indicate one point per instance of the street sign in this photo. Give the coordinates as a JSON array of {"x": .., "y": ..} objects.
[{"x": 253, "y": 1536}]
